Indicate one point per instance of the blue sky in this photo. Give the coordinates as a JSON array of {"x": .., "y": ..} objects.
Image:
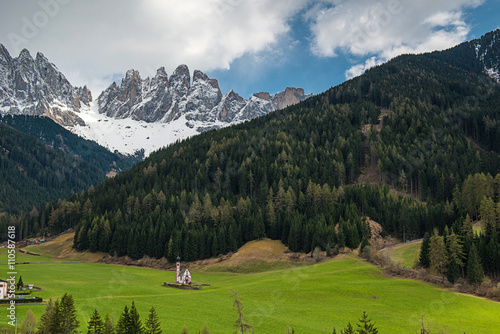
[{"x": 248, "y": 45}]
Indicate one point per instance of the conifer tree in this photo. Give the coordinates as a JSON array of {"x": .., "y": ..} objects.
[
  {"x": 366, "y": 326},
  {"x": 455, "y": 249},
  {"x": 123, "y": 325},
  {"x": 348, "y": 330},
  {"x": 70, "y": 323},
  {"x": 467, "y": 229},
  {"x": 424, "y": 258},
  {"x": 50, "y": 321},
  {"x": 135, "y": 321},
  {"x": 259, "y": 230},
  {"x": 153, "y": 323},
  {"x": 95, "y": 324},
  {"x": 438, "y": 255},
  {"x": 453, "y": 271},
  {"x": 20, "y": 283},
  {"x": 475, "y": 273}
]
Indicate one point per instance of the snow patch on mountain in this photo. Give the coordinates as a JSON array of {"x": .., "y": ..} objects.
[{"x": 128, "y": 136}]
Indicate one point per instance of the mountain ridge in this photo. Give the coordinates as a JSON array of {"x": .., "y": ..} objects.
[
  {"x": 36, "y": 87},
  {"x": 164, "y": 99},
  {"x": 185, "y": 105}
]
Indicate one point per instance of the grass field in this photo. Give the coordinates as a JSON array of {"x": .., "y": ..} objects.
[
  {"x": 406, "y": 255},
  {"x": 311, "y": 299}
]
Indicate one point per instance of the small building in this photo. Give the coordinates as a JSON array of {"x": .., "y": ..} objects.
[
  {"x": 3, "y": 289},
  {"x": 183, "y": 277}
]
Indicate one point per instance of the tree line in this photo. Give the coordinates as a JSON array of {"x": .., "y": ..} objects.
[{"x": 460, "y": 250}]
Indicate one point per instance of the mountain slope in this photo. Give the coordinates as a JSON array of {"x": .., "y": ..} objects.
[
  {"x": 286, "y": 175},
  {"x": 32, "y": 173},
  {"x": 57, "y": 137}
]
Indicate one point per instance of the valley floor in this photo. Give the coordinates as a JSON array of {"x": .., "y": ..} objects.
[{"x": 310, "y": 299}]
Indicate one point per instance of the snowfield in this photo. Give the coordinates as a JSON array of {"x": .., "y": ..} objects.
[{"x": 128, "y": 136}]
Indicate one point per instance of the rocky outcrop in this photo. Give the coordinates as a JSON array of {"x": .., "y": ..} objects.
[
  {"x": 36, "y": 87},
  {"x": 164, "y": 99}
]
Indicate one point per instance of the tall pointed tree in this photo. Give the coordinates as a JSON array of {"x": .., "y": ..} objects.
[
  {"x": 135, "y": 321},
  {"x": 475, "y": 273},
  {"x": 70, "y": 323},
  {"x": 46, "y": 318},
  {"x": 366, "y": 326},
  {"x": 438, "y": 255},
  {"x": 95, "y": 324},
  {"x": 153, "y": 323},
  {"x": 123, "y": 325},
  {"x": 424, "y": 258}
]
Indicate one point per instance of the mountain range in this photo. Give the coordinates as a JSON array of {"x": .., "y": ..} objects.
[
  {"x": 307, "y": 175},
  {"x": 138, "y": 112}
]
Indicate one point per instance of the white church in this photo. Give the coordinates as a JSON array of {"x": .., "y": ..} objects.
[
  {"x": 185, "y": 276},
  {"x": 3, "y": 289}
]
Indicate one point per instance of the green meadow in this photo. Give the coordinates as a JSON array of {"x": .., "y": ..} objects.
[
  {"x": 406, "y": 255},
  {"x": 311, "y": 299}
]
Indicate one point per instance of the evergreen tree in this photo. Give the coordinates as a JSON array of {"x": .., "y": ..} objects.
[
  {"x": 135, "y": 321},
  {"x": 259, "y": 230},
  {"x": 69, "y": 324},
  {"x": 20, "y": 283},
  {"x": 123, "y": 325},
  {"x": 475, "y": 274},
  {"x": 438, "y": 255},
  {"x": 424, "y": 258},
  {"x": 95, "y": 324},
  {"x": 455, "y": 249},
  {"x": 50, "y": 321},
  {"x": 366, "y": 326},
  {"x": 348, "y": 330},
  {"x": 153, "y": 323},
  {"x": 467, "y": 227},
  {"x": 453, "y": 271}
]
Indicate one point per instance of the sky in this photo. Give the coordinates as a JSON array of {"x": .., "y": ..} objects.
[{"x": 248, "y": 45}]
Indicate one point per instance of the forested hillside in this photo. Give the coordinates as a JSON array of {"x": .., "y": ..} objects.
[
  {"x": 54, "y": 135},
  {"x": 32, "y": 173},
  {"x": 424, "y": 123}
]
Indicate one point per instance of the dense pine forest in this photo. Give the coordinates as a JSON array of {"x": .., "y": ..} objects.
[
  {"x": 424, "y": 123},
  {"x": 54, "y": 135},
  {"x": 41, "y": 162},
  {"x": 31, "y": 172}
]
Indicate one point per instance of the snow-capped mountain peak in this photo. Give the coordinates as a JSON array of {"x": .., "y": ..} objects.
[
  {"x": 138, "y": 113},
  {"x": 36, "y": 87},
  {"x": 199, "y": 100}
]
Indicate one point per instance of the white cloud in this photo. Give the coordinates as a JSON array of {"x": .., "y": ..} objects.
[
  {"x": 359, "y": 69},
  {"x": 89, "y": 39},
  {"x": 384, "y": 29}
]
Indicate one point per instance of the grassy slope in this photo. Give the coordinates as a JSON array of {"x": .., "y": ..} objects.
[
  {"x": 58, "y": 249},
  {"x": 406, "y": 254},
  {"x": 311, "y": 299}
]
